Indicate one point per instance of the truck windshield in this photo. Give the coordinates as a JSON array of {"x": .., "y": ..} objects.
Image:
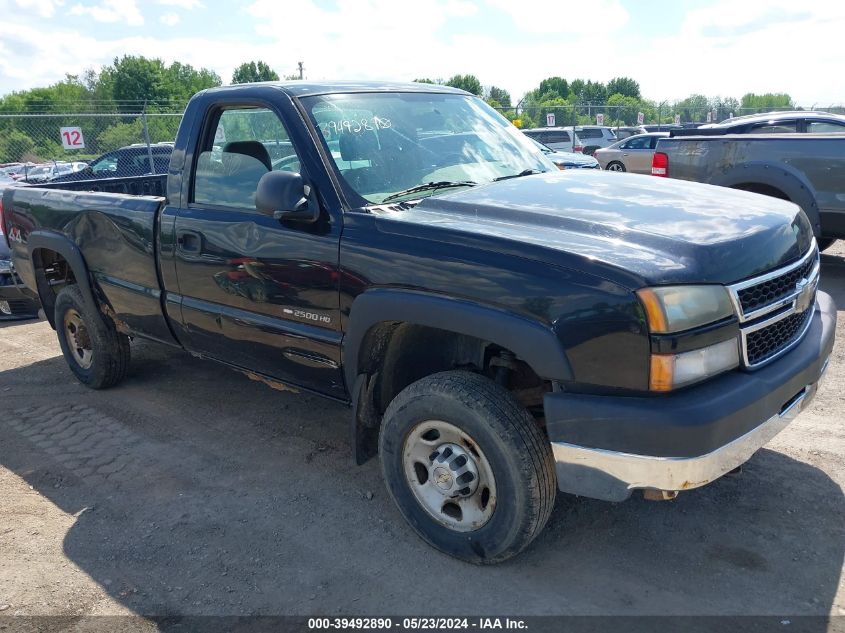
[{"x": 386, "y": 143}]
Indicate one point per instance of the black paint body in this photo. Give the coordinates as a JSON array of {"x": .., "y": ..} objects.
[{"x": 555, "y": 256}]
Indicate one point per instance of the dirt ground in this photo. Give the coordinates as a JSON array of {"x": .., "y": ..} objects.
[{"x": 190, "y": 489}]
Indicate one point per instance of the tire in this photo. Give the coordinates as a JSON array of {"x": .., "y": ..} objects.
[
  {"x": 825, "y": 243},
  {"x": 615, "y": 165},
  {"x": 96, "y": 353},
  {"x": 498, "y": 434}
]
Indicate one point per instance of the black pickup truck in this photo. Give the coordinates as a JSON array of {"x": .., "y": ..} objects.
[{"x": 499, "y": 328}]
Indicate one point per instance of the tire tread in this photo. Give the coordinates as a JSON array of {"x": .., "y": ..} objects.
[{"x": 520, "y": 429}]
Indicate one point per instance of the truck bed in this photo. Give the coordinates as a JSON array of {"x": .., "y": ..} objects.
[
  {"x": 151, "y": 185},
  {"x": 119, "y": 215}
]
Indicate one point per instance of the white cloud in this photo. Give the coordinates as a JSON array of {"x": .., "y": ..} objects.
[
  {"x": 44, "y": 8},
  {"x": 727, "y": 48},
  {"x": 730, "y": 48},
  {"x": 111, "y": 11},
  {"x": 170, "y": 19},
  {"x": 461, "y": 8},
  {"x": 183, "y": 4},
  {"x": 541, "y": 16}
]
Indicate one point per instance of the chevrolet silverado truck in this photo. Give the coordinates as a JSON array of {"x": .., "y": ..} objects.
[
  {"x": 807, "y": 169},
  {"x": 499, "y": 328}
]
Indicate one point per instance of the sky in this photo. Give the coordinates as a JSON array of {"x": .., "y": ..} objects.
[{"x": 673, "y": 48}]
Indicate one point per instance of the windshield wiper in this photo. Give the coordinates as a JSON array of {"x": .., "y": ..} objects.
[
  {"x": 430, "y": 186},
  {"x": 524, "y": 172}
]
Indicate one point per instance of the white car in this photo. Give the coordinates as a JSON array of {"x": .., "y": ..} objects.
[
  {"x": 594, "y": 137},
  {"x": 556, "y": 138}
]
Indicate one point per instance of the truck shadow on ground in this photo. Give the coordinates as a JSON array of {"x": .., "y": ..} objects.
[{"x": 200, "y": 492}]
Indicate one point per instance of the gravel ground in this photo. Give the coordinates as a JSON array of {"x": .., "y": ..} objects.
[{"x": 191, "y": 490}]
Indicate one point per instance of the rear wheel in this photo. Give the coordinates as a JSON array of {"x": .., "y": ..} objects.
[
  {"x": 96, "y": 353},
  {"x": 467, "y": 466},
  {"x": 615, "y": 166}
]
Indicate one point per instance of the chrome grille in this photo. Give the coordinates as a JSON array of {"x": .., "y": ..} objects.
[
  {"x": 765, "y": 342},
  {"x": 775, "y": 309},
  {"x": 767, "y": 292}
]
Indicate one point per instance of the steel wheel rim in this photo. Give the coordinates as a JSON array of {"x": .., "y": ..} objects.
[
  {"x": 433, "y": 461},
  {"x": 78, "y": 339}
]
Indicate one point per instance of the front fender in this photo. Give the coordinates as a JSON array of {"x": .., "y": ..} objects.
[{"x": 532, "y": 341}]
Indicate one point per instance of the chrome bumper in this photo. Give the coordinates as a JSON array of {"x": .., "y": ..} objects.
[{"x": 612, "y": 475}]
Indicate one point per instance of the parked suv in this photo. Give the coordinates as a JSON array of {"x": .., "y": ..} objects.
[
  {"x": 594, "y": 137},
  {"x": 557, "y": 138}
]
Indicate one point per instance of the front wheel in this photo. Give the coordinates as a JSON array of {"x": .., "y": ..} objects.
[
  {"x": 615, "y": 166},
  {"x": 96, "y": 353},
  {"x": 467, "y": 466}
]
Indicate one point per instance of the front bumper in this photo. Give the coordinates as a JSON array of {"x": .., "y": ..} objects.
[{"x": 607, "y": 446}]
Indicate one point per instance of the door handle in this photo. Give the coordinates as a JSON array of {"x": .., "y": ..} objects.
[{"x": 189, "y": 241}]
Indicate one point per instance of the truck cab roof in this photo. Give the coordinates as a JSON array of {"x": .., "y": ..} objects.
[{"x": 299, "y": 88}]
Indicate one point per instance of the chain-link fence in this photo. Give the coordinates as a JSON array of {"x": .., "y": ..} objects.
[
  {"x": 631, "y": 115},
  {"x": 44, "y": 147}
]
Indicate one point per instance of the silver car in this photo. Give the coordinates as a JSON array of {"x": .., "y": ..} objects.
[{"x": 632, "y": 154}]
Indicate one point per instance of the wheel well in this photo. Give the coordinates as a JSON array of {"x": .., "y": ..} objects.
[
  {"x": 395, "y": 354},
  {"x": 52, "y": 273},
  {"x": 766, "y": 190}
]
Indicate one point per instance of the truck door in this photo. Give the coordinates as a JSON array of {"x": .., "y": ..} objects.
[{"x": 255, "y": 292}]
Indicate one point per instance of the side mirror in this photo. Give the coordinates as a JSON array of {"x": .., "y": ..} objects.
[{"x": 287, "y": 197}]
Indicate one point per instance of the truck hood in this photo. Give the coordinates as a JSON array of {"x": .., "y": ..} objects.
[{"x": 635, "y": 230}]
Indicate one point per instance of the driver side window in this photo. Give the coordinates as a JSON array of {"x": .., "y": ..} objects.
[{"x": 243, "y": 144}]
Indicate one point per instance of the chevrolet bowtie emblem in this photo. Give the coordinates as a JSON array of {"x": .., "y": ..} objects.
[{"x": 806, "y": 291}]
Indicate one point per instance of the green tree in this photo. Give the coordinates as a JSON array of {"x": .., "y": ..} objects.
[
  {"x": 767, "y": 101},
  {"x": 624, "y": 110},
  {"x": 15, "y": 146},
  {"x": 424, "y": 80},
  {"x": 134, "y": 80},
  {"x": 183, "y": 81},
  {"x": 624, "y": 86},
  {"x": 250, "y": 72},
  {"x": 724, "y": 107},
  {"x": 120, "y": 135},
  {"x": 693, "y": 109},
  {"x": 595, "y": 92},
  {"x": 500, "y": 96},
  {"x": 470, "y": 83},
  {"x": 556, "y": 85}
]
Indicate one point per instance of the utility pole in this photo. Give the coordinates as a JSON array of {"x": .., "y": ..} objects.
[{"x": 300, "y": 69}]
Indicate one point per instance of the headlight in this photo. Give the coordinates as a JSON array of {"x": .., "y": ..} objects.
[
  {"x": 671, "y": 371},
  {"x": 677, "y": 308}
]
